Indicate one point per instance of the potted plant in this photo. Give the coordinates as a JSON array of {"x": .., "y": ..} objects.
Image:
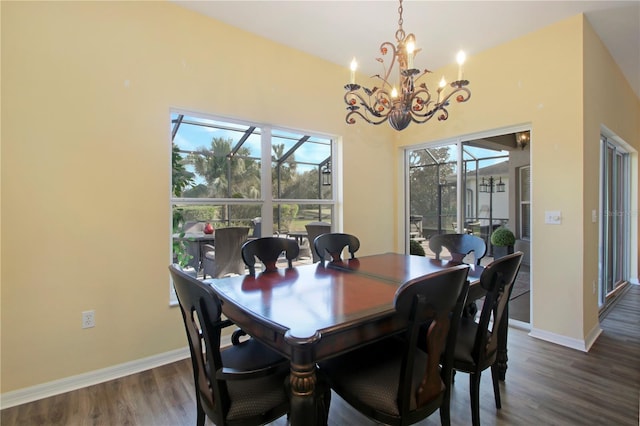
[
  {"x": 416, "y": 248},
  {"x": 502, "y": 241}
]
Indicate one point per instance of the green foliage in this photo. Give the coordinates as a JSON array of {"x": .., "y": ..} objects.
[
  {"x": 180, "y": 177},
  {"x": 224, "y": 173},
  {"x": 181, "y": 257},
  {"x": 416, "y": 248},
  {"x": 503, "y": 237},
  {"x": 287, "y": 213}
]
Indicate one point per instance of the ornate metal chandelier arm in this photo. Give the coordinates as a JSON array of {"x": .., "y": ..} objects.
[
  {"x": 351, "y": 120},
  {"x": 463, "y": 93},
  {"x": 384, "y": 50},
  {"x": 377, "y": 108}
]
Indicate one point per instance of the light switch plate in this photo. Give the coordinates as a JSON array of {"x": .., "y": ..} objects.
[
  {"x": 594, "y": 216},
  {"x": 552, "y": 217}
]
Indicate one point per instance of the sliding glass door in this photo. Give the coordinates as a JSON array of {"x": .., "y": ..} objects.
[
  {"x": 437, "y": 206},
  {"x": 614, "y": 226}
]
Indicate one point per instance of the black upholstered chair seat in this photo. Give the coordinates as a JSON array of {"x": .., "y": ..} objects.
[
  {"x": 375, "y": 382},
  {"x": 464, "y": 346},
  {"x": 254, "y": 398},
  {"x": 251, "y": 355}
]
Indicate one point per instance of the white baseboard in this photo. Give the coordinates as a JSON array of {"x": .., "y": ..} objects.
[
  {"x": 56, "y": 387},
  {"x": 44, "y": 390},
  {"x": 570, "y": 342}
]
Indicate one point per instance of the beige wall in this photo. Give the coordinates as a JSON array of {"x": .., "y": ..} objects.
[
  {"x": 87, "y": 89},
  {"x": 607, "y": 102},
  {"x": 86, "y": 93},
  {"x": 539, "y": 80}
]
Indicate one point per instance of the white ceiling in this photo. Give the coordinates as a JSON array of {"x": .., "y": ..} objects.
[{"x": 340, "y": 30}]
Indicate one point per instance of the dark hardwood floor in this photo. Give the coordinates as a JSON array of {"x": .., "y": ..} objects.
[{"x": 546, "y": 384}]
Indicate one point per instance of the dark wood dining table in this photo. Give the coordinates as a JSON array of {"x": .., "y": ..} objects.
[{"x": 314, "y": 312}]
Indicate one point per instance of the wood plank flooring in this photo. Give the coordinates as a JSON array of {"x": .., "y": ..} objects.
[{"x": 546, "y": 384}]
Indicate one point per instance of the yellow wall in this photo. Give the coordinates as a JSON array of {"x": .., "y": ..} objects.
[
  {"x": 87, "y": 89},
  {"x": 86, "y": 93},
  {"x": 607, "y": 102},
  {"x": 540, "y": 80}
]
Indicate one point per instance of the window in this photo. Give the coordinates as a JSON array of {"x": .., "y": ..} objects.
[
  {"x": 524, "y": 195},
  {"x": 226, "y": 173}
]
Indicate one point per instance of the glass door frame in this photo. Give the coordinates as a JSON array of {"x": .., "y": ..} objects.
[{"x": 404, "y": 224}]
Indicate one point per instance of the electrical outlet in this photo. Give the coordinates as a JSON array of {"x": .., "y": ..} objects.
[{"x": 88, "y": 319}]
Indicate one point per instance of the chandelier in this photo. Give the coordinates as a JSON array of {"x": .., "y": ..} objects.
[{"x": 410, "y": 101}]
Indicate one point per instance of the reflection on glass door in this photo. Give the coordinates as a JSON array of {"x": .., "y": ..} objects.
[
  {"x": 614, "y": 237},
  {"x": 485, "y": 179},
  {"x": 433, "y": 202}
]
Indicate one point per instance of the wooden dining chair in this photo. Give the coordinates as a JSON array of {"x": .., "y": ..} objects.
[
  {"x": 459, "y": 245},
  {"x": 332, "y": 244},
  {"x": 392, "y": 381},
  {"x": 267, "y": 250},
  {"x": 243, "y": 384},
  {"x": 477, "y": 342}
]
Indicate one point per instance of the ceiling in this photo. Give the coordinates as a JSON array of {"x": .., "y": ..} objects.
[{"x": 339, "y": 30}]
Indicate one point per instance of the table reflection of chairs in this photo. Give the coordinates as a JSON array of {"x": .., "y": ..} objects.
[
  {"x": 224, "y": 256},
  {"x": 459, "y": 245},
  {"x": 313, "y": 230}
]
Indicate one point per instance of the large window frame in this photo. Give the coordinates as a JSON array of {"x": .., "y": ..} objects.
[{"x": 316, "y": 164}]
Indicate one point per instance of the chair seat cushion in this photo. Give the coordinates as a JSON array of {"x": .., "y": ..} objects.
[
  {"x": 369, "y": 376},
  {"x": 250, "y": 355},
  {"x": 259, "y": 395},
  {"x": 463, "y": 357},
  {"x": 256, "y": 396}
]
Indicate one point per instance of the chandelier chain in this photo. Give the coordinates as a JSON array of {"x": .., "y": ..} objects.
[{"x": 400, "y": 33}]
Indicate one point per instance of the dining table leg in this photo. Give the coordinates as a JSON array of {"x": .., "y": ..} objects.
[{"x": 309, "y": 396}]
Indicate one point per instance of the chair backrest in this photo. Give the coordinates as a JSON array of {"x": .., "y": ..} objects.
[
  {"x": 268, "y": 250},
  {"x": 459, "y": 245},
  {"x": 228, "y": 246},
  {"x": 333, "y": 244},
  {"x": 201, "y": 311},
  {"x": 497, "y": 279},
  {"x": 439, "y": 299},
  {"x": 313, "y": 230}
]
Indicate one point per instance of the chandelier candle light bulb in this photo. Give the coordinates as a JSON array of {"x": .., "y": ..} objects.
[
  {"x": 412, "y": 100},
  {"x": 354, "y": 67},
  {"x": 410, "y": 48},
  {"x": 460, "y": 59},
  {"x": 442, "y": 86}
]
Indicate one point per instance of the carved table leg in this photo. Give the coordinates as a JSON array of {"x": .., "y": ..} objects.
[{"x": 309, "y": 396}]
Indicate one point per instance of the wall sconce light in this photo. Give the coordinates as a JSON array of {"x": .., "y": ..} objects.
[
  {"x": 326, "y": 175},
  {"x": 522, "y": 139}
]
